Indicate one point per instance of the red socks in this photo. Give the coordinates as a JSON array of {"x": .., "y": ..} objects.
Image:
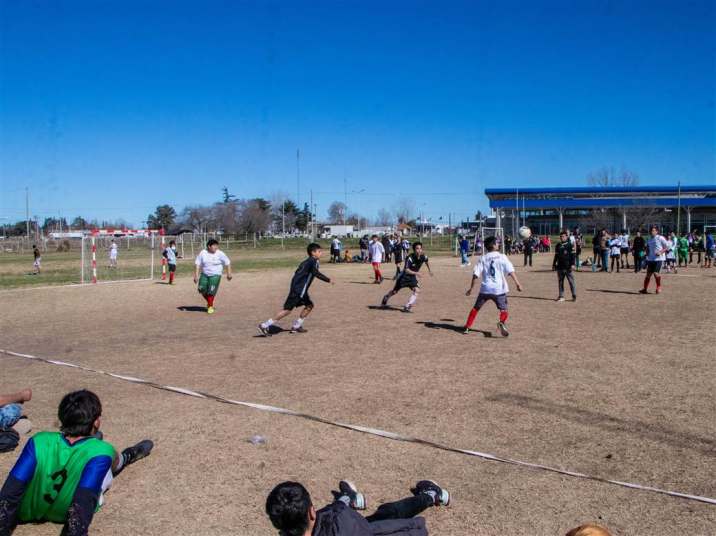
[
  {"x": 378, "y": 275},
  {"x": 210, "y": 301},
  {"x": 471, "y": 318},
  {"x": 171, "y": 277},
  {"x": 658, "y": 280},
  {"x": 503, "y": 316}
]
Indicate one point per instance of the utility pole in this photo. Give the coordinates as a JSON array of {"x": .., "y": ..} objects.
[
  {"x": 298, "y": 178},
  {"x": 310, "y": 216},
  {"x": 678, "y": 213},
  {"x": 345, "y": 196},
  {"x": 27, "y": 211},
  {"x": 283, "y": 222}
]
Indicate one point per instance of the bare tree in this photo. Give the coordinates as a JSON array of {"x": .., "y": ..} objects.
[
  {"x": 612, "y": 218},
  {"x": 337, "y": 212},
  {"x": 254, "y": 216},
  {"x": 384, "y": 218},
  {"x": 608, "y": 177},
  {"x": 404, "y": 209}
]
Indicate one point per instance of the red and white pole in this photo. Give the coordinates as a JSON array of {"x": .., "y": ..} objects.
[
  {"x": 164, "y": 261},
  {"x": 94, "y": 256}
]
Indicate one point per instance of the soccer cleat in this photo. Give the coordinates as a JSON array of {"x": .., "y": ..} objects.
[
  {"x": 561, "y": 298},
  {"x": 466, "y": 331},
  {"x": 503, "y": 329},
  {"x": 574, "y": 298},
  {"x": 384, "y": 301},
  {"x": 210, "y": 310},
  {"x": 299, "y": 329},
  {"x": 265, "y": 332},
  {"x": 406, "y": 309},
  {"x": 137, "y": 452},
  {"x": 658, "y": 290},
  {"x": 348, "y": 490},
  {"x": 440, "y": 496}
]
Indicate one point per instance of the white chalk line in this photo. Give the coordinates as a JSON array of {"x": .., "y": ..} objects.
[{"x": 364, "y": 429}]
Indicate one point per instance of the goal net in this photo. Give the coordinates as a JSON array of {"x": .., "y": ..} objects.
[
  {"x": 120, "y": 256},
  {"x": 478, "y": 246}
]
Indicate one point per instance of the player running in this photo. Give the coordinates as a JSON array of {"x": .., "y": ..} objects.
[
  {"x": 656, "y": 247},
  {"x": 37, "y": 263},
  {"x": 298, "y": 294},
  {"x": 408, "y": 278},
  {"x": 61, "y": 477},
  {"x": 208, "y": 267},
  {"x": 493, "y": 268}
]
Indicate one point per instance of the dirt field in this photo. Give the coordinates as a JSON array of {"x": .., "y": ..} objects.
[{"x": 617, "y": 385}]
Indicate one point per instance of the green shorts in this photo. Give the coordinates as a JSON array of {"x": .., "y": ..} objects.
[{"x": 209, "y": 284}]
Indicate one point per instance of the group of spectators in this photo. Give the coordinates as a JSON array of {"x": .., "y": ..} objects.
[{"x": 612, "y": 250}]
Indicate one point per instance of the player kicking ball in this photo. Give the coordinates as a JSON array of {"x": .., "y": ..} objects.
[
  {"x": 493, "y": 268},
  {"x": 209, "y": 266},
  {"x": 298, "y": 296},
  {"x": 408, "y": 278}
]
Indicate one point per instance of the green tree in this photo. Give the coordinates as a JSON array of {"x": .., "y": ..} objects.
[
  {"x": 163, "y": 218},
  {"x": 226, "y": 197}
]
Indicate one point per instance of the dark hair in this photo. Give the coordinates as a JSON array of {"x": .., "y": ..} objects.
[
  {"x": 287, "y": 506},
  {"x": 313, "y": 247},
  {"x": 172, "y": 242},
  {"x": 490, "y": 241},
  {"x": 654, "y": 227},
  {"x": 374, "y": 236},
  {"x": 416, "y": 244},
  {"x": 77, "y": 413},
  {"x": 34, "y": 246},
  {"x": 211, "y": 242},
  {"x": 563, "y": 231}
]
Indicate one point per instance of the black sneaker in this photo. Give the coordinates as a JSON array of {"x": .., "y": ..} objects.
[
  {"x": 299, "y": 329},
  {"x": 406, "y": 309},
  {"x": 440, "y": 496},
  {"x": 137, "y": 452},
  {"x": 348, "y": 493},
  {"x": 384, "y": 302},
  {"x": 265, "y": 332},
  {"x": 503, "y": 329},
  {"x": 643, "y": 291}
]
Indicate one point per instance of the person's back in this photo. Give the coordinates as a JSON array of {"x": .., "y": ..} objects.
[{"x": 59, "y": 468}]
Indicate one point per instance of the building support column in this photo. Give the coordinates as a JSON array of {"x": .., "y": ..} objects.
[
  {"x": 498, "y": 219},
  {"x": 561, "y": 219},
  {"x": 624, "y": 220},
  {"x": 688, "y": 219}
]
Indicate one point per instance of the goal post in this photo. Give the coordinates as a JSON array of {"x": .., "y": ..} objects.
[
  {"x": 484, "y": 232},
  {"x": 114, "y": 255}
]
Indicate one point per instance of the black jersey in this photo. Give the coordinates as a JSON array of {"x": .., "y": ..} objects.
[
  {"x": 414, "y": 263},
  {"x": 304, "y": 275}
]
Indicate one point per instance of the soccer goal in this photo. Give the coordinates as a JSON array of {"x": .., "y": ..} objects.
[
  {"x": 127, "y": 255},
  {"x": 478, "y": 245}
]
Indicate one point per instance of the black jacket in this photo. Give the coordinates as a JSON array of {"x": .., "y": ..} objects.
[
  {"x": 563, "y": 256},
  {"x": 338, "y": 519}
]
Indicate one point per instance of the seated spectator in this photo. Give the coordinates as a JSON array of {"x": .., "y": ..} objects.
[
  {"x": 291, "y": 511},
  {"x": 589, "y": 530},
  {"x": 11, "y": 407},
  {"x": 61, "y": 477}
]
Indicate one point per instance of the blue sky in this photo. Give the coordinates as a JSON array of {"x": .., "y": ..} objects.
[{"x": 108, "y": 109}]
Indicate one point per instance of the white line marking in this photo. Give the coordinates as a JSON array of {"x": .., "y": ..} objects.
[{"x": 372, "y": 431}]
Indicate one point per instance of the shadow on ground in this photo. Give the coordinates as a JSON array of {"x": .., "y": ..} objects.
[
  {"x": 654, "y": 432},
  {"x": 453, "y": 327}
]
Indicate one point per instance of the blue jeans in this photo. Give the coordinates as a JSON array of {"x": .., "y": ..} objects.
[
  {"x": 463, "y": 255},
  {"x": 9, "y": 415},
  {"x": 605, "y": 260}
]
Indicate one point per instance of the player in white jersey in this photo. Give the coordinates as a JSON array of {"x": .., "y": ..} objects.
[
  {"x": 113, "y": 254},
  {"x": 376, "y": 252},
  {"x": 656, "y": 248},
  {"x": 493, "y": 268}
]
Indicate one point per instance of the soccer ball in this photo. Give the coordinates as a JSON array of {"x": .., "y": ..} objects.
[{"x": 525, "y": 233}]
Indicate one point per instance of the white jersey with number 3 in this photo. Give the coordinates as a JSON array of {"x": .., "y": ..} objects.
[{"x": 494, "y": 268}]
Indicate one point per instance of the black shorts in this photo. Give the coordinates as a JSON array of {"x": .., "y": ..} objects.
[
  {"x": 653, "y": 267},
  {"x": 296, "y": 300},
  {"x": 499, "y": 299},
  {"x": 406, "y": 281},
  {"x": 625, "y": 251},
  {"x": 172, "y": 267}
]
